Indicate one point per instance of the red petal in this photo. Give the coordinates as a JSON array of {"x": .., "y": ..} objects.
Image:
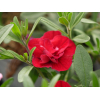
[
  {"x": 44, "y": 58},
  {"x": 61, "y": 42},
  {"x": 50, "y": 34},
  {"x": 37, "y": 63},
  {"x": 70, "y": 50},
  {"x": 38, "y": 51},
  {"x": 63, "y": 64},
  {"x": 61, "y": 83},
  {"x": 33, "y": 42}
]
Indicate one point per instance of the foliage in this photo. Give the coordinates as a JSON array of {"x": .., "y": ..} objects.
[{"x": 85, "y": 33}]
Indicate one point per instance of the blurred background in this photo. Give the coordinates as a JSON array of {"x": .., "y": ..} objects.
[{"x": 10, "y": 68}]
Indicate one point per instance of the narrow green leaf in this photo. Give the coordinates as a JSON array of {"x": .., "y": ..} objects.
[
  {"x": 26, "y": 24},
  {"x": 83, "y": 65},
  {"x": 8, "y": 82},
  {"x": 31, "y": 52},
  {"x": 54, "y": 80},
  {"x": 89, "y": 44},
  {"x": 63, "y": 21},
  {"x": 78, "y": 18},
  {"x": 96, "y": 52},
  {"x": 84, "y": 20},
  {"x": 98, "y": 43},
  {"x": 14, "y": 37},
  {"x": 4, "y": 31},
  {"x": 95, "y": 80},
  {"x": 15, "y": 20},
  {"x": 44, "y": 20},
  {"x": 69, "y": 17},
  {"x": 16, "y": 55},
  {"x": 25, "y": 71},
  {"x": 72, "y": 19},
  {"x": 44, "y": 83},
  {"x": 60, "y": 14},
  {"x": 16, "y": 30},
  {"x": 27, "y": 82}
]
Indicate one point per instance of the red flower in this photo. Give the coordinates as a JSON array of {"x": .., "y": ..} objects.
[
  {"x": 61, "y": 83},
  {"x": 52, "y": 50}
]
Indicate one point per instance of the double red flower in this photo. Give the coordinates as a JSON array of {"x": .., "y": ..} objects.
[
  {"x": 61, "y": 83},
  {"x": 52, "y": 50}
]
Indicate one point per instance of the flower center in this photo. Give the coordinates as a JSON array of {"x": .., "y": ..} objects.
[{"x": 56, "y": 48}]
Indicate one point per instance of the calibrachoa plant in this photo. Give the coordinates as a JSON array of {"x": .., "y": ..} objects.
[{"x": 56, "y": 56}]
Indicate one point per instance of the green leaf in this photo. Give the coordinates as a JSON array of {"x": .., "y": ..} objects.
[
  {"x": 98, "y": 43},
  {"x": 16, "y": 55},
  {"x": 4, "y": 31},
  {"x": 15, "y": 20},
  {"x": 25, "y": 71},
  {"x": 95, "y": 80},
  {"x": 70, "y": 16},
  {"x": 8, "y": 82},
  {"x": 4, "y": 54},
  {"x": 60, "y": 14},
  {"x": 54, "y": 80},
  {"x": 81, "y": 38},
  {"x": 89, "y": 44},
  {"x": 72, "y": 19},
  {"x": 25, "y": 56},
  {"x": 44, "y": 83},
  {"x": 71, "y": 72},
  {"x": 27, "y": 82},
  {"x": 14, "y": 37},
  {"x": 77, "y": 19},
  {"x": 63, "y": 21},
  {"x": 97, "y": 72},
  {"x": 16, "y": 30},
  {"x": 46, "y": 73},
  {"x": 34, "y": 75},
  {"x": 30, "y": 54},
  {"x": 44, "y": 20},
  {"x": 84, "y": 20},
  {"x": 83, "y": 65}
]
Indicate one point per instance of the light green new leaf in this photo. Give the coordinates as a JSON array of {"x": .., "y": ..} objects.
[
  {"x": 4, "y": 31},
  {"x": 60, "y": 14},
  {"x": 69, "y": 16},
  {"x": 27, "y": 81},
  {"x": 95, "y": 80},
  {"x": 30, "y": 54},
  {"x": 44, "y": 83},
  {"x": 83, "y": 65},
  {"x": 77, "y": 19},
  {"x": 89, "y": 44},
  {"x": 8, "y": 82},
  {"x": 16, "y": 30},
  {"x": 54, "y": 80},
  {"x": 84, "y": 20},
  {"x": 25, "y": 71},
  {"x": 63, "y": 21},
  {"x": 15, "y": 20}
]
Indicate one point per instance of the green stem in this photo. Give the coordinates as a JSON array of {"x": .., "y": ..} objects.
[{"x": 69, "y": 33}]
